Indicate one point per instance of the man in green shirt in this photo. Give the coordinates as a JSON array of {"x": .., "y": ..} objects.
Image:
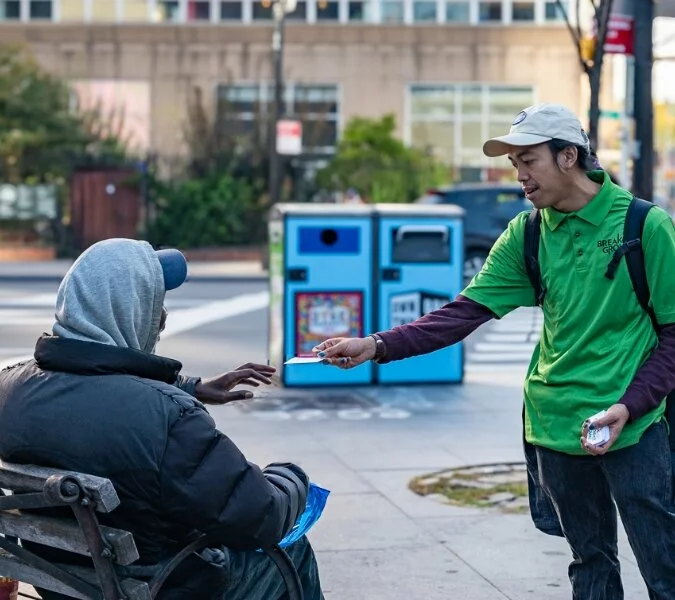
[{"x": 598, "y": 351}]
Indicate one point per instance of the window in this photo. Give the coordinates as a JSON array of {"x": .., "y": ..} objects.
[
  {"x": 40, "y": 9},
  {"x": 553, "y": 12},
  {"x": 490, "y": 11},
  {"x": 243, "y": 110},
  {"x": 262, "y": 10},
  {"x": 230, "y": 11},
  {"x": 199, "y": 10},
  {"x": 523, "y": 11},
  {"x": 392, "y": 11},
  {"x": 327, "y": 11},
  {"x": 10, "y": 10},
  {"x": 300, "y": 12},
  {"x": 169, "y": 10},
  {"x": 360, "y": 10},
  {"x": 457, "y": 12},
  {"x": 424, "y": 11},
  {"x": 451, "y": 121}
]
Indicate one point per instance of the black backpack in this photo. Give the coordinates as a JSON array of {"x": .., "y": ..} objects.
[{"x": 635, "y": 261}]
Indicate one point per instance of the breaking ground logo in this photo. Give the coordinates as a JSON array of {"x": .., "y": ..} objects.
[{"x": 611, "y": 245}]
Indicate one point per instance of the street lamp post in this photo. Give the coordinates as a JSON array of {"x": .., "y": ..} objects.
[{"x": 280, "y": 8}]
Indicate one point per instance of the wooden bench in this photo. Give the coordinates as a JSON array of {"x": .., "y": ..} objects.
[{"x": 113, "y": 552}]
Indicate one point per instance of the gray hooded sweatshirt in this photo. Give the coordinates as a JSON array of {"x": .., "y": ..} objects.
[{"x": 113, "y": 294}]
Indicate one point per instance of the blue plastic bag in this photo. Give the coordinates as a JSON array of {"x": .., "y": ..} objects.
[{"x": 316, "y": 501}]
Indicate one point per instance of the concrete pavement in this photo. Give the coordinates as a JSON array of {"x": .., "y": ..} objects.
[{"x": 379, "y": 541}]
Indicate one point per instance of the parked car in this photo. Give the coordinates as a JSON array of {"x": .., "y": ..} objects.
[{"x": 489, "y": 208}]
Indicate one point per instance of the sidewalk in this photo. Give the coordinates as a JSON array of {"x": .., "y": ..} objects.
[
  {"x": 203, "y": 271},
  {"x": 379, "y": 541}
]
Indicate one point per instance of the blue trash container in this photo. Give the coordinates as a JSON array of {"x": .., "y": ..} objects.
[
  {"x": 321, "y": 286},
  {"x": 420, "y": 268}
]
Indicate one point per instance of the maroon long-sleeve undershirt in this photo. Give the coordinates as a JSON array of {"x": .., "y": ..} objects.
[{"x": 455, "y": 321}]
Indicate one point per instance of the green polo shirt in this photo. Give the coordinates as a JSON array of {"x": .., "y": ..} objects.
[{"x": 595, "y": 335}]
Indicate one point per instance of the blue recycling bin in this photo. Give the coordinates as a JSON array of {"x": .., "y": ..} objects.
[
  {"x": 420, "y": 268},
  {"x": 321, "y": 286}
]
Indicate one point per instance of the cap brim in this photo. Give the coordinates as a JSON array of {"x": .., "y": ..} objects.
[
  {"x": 174, "y": 268},
  {"x": 500, "y": 146}
]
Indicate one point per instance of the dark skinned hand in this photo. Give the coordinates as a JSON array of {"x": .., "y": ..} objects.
[{"x": 218, "y": 389}]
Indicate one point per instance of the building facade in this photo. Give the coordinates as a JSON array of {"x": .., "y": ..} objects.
[{"x": 453, "y": 72}]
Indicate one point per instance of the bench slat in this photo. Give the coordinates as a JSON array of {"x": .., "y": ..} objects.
[
  {"x": 12, "y": 567},
  {"x": 66, "y": 535},
  {"x": 32, "y": 478}
]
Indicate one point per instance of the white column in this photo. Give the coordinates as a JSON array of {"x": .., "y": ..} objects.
[
  {"x": 247, "y": 11},
  {"x": 343, "y": 11},
  {"x": 507, "y": 11},
  {"x": 408, "y": 12},
  {"x": 473, "y": 12},
  {"x": 377, "y": 11},
  {"x": 182, "y": 11},
  {"x": 311, "y": 11},
  {"x": 119, "y": 11},
  {"x": 24, "y": 10},
  {"x": 440, "y": 11},
  {"x": 539, "y": 12},
  {"x": 152, "y": 11},
  {"x": 215, "y": 11},
  {"x": 88, "y": 6},
  {"x": 56, "y": 11}
]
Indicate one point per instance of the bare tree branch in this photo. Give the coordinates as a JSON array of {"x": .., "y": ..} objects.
[
  {"x": 594, "y": 4},
  {"x": 576, "y": 35}
]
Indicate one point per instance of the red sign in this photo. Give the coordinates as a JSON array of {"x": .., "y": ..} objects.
[
  {"x": 620, "y": 35},
  {"x": 289, "y": 137}
]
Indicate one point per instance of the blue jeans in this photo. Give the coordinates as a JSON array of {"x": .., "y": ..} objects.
[{"x": 639, "y": 480}]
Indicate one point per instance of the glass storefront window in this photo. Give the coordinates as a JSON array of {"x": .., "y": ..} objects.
[{"x": 452, "y": 121}]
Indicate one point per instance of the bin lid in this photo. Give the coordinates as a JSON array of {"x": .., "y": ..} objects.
[
  {"x": 320, "y": 209},
  {"x": 420, "y": 210}
]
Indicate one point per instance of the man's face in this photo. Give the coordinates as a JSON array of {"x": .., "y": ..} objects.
[
  {"x": 545, "y": 184},
  {"x": 162, "y": 319}
]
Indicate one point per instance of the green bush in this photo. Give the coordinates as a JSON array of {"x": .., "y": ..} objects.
[{"x": 199, "y": 213}]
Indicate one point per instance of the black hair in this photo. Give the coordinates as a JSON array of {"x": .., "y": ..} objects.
[{"x": 587, "y": 160}]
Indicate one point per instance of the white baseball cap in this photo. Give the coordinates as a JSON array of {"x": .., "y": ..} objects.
[{"x": 539, "y": 124}]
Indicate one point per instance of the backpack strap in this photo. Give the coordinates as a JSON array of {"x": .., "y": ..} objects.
[
  {"x": 532, "y": 237},
  {"x": 632, "y": 250}
]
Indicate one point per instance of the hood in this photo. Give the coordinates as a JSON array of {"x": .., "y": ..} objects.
[{"x": 113, "y": 294}]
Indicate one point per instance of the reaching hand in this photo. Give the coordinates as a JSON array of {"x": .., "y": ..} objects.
[
  {"x": 346, "y": 353},
  {"x": 616, "y": 418},
  {"x": 217, "y": 390}
]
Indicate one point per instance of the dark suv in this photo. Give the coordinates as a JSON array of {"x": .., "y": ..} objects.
[{"x": 489, "y": 208}]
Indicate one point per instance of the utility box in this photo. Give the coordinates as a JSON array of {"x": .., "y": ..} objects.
[
  {"x": 321, "y": 286},
  {"x": 351, "y": 270},
  {"x": 420, "y": 267}
]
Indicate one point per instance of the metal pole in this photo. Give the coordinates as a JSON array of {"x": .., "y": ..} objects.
[
  {"x": 278, "y": 102},
  {"x": 627, "y": 142},
  {"x": 643, "y": 170}
]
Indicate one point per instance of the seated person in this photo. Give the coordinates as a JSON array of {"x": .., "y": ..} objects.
[{"x": 96, "y": 399}]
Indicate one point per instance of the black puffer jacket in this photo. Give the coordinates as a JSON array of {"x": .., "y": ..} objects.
[{"x": 114, "y": 412}]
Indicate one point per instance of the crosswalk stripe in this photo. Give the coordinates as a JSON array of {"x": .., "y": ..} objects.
[
  {"x": 516, "y": 347},
  {"x": 497, "y": 357},
  {"x": 186, "y": 319}
]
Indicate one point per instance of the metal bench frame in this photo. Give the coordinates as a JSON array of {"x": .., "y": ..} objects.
[{"x": 112, "y": 551}]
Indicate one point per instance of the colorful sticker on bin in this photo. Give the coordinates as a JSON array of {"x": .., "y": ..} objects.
[{"x": 322, "y": 315}]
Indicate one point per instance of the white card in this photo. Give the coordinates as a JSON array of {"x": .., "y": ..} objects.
[{"x": 303, "y": 360}]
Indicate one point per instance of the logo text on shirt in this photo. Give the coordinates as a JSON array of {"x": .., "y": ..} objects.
[{"x": 610, "y": 245}]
